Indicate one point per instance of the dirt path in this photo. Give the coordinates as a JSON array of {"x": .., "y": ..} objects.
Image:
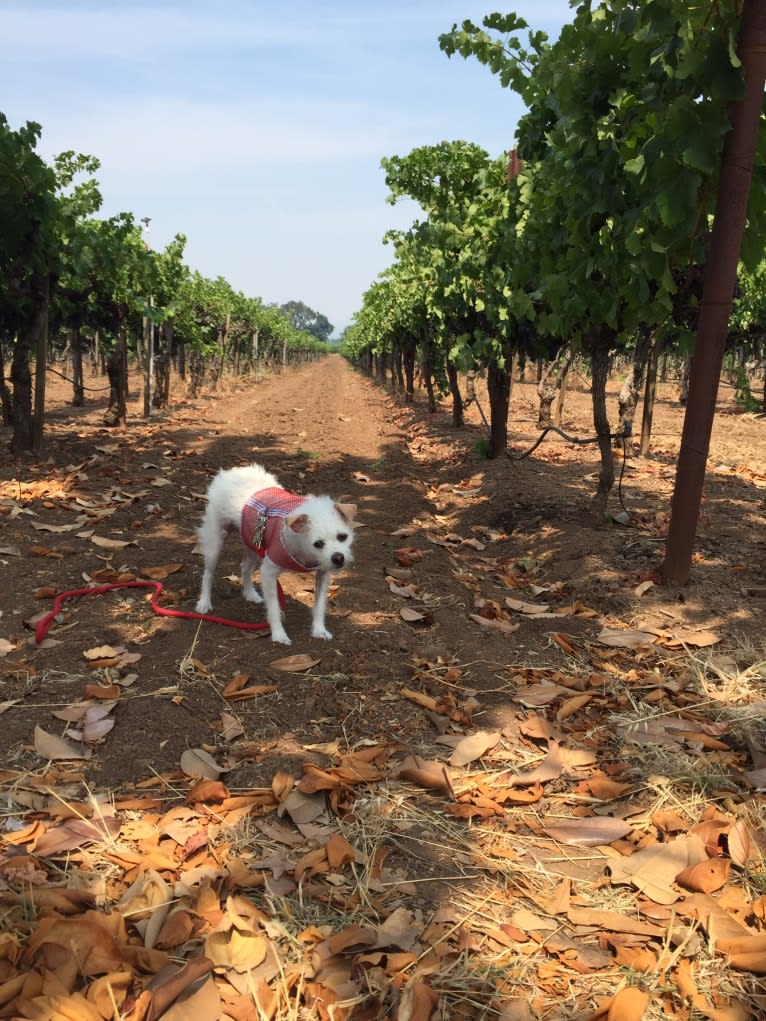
[
  {"x": 325, "y": 428},
  {"x": 475, "y": 612}
]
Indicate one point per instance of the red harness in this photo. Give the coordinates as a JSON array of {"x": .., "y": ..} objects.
[{"x": 263, "y": 522}]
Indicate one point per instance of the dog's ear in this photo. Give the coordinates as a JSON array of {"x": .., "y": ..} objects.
[
  {"x": 347, "y": 511},
  {"x": 298, "y": 523}
]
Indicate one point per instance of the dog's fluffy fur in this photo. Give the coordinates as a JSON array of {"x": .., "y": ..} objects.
[{"x": 320, "y": 532}]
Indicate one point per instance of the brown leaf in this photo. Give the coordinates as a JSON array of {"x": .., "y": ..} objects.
[
  {"x": 550, "y": 768},
  {"x": 572, "y": 705},
  {"x": 742, "y": 847},
  {"x": 698, "y": 639},
  {"x": 619, "y": 638},
  {"x": 563, "y": 642},
  {"x": 295, "y": 664},
  {"x": 107, "y": 990},
  {"x": 105, "y": 543},
  {"x": 87, "y": 939},
  {"x": 49, "y": 746},
  {"x": 418, "y": 1002},
  {"x": 413, "y": 616},
  {"x": 653, "y": 869},
  {"x": 207, "y": 790},
  {"x": 589, "y": 832},
  {"x": 237, "y": 682},
  {"x": 103, "y": 652},
  {"x": 472, "y": 747},
  {"x": 170, "y": 987},
  {"x": 426, "y": 773},
  {"x": 230, "y": 727},
  {"x": 495, "y": 623},
  {"x": 606, "y": 790},
  {"x": 160, "y": 573},
  {"x": 199, "y": 763},
  {"x": 747, "y": 953},
  {"x": 630, "y": 1004},
  {"x": 176, "y": 929},
  {"x": 705, "y": 876},
  {"x": 75, "y": 832},
  {"x": 353, "y": 938},
  {"x": 407, "y": 555},
  {"x": 339, "y": 851},
  {"x": 113, "y": 691},
  {"x": 237, "y": 949},
  {"x": 254, "y": 691}
]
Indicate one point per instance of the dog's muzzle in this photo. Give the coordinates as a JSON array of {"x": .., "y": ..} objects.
[{"x": 338, "y": 559}]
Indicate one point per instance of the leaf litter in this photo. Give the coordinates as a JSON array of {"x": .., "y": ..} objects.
[
  {"x": 602, "y": 851},
  {"x": 244, "y": 905}
]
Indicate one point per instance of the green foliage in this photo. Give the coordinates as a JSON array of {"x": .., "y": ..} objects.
[
  {"x": 29, "y": 210},
  {"x": 621, "y": 143},
  {"x": 743, "y": 394},
  {"x": 306, "y": 320},
  {"x": 748, "y": 318}
]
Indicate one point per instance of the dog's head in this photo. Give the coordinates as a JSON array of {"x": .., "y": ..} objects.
[{"x": 321, "y": 533}]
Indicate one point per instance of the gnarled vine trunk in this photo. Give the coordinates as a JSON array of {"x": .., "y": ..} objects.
[
  {"x": 458, "y": 417},
  {"x": 23, "y": 438},
  {"x": 116, "y": 413},
  {"x": 550, "y": 385},
  {"x": 631, "y": 388},
  {"x": 499, "y": 381},
  {"x": 599, "y": 360}
]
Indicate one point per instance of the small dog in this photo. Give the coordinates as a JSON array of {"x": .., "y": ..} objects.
[{"x": 281, "y": 532}]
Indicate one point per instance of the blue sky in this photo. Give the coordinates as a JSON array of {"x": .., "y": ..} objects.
[{"x": 254, "y": 128}]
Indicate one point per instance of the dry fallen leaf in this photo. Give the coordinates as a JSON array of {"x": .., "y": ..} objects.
[
  {"x": 653, "y": 869},
  {"x": 426, "y": 773},
  {"x": 74, "y": 833},
  {"x": 497, "y": 624},
  {"x": 49, "y": 746},
  {"x": 705, "y": 876},
  {"x": 624, "y": 639},
  {"x": 588, "y": 832},
  {"x": 629, "y": 1004},
  {"x": 103, "y": 652},
  {"x": 160, "y": 573},
  {"x": 197, "y": 762},
  {"x": 295, "y": 664},
  {"x": 105, "y": 543},
  {"x": 468, "y": 749}
]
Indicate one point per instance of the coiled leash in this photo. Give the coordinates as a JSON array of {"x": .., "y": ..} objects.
[{"x": 43, "y": 625}]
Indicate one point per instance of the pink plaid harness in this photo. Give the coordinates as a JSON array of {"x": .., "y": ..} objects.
[{"x": 263, "y": 521}]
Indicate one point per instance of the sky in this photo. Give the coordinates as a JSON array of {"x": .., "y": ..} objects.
[{"x": 256, "y": 128}]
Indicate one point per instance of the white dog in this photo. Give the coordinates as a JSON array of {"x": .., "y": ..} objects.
[{"x": 281, "y": 532}]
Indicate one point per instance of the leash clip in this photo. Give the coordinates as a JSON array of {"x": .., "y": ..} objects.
[{"x": 260, "y": 531}]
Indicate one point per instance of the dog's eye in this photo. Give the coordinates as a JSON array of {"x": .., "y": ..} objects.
[
  {"x": 341, "y": 536},
  {"x": 319, "y": 544}
]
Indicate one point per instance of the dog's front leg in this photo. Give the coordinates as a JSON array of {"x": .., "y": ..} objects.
[
  {"x": 269, "y": 575},
  {"x": 321, "y": 588}
]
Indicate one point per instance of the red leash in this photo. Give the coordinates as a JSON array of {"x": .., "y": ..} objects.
[{"x": 43, "y": 626}]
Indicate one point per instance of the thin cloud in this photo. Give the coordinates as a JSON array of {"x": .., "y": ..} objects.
[{"x": 253, "y": 128}]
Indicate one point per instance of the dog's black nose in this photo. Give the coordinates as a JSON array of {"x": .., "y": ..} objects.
[{"x": 338, "y": 559}]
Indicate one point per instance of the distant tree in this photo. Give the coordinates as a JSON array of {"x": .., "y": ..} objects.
[{"x": 306, "y": 319}]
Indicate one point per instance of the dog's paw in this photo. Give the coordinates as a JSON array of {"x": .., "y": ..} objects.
[
  {"x": 252, "y": 595},
  {"x": 203, "y": 606},
  {"x": 320, "y": 631},
  {"x": 280, "y": 637}
]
